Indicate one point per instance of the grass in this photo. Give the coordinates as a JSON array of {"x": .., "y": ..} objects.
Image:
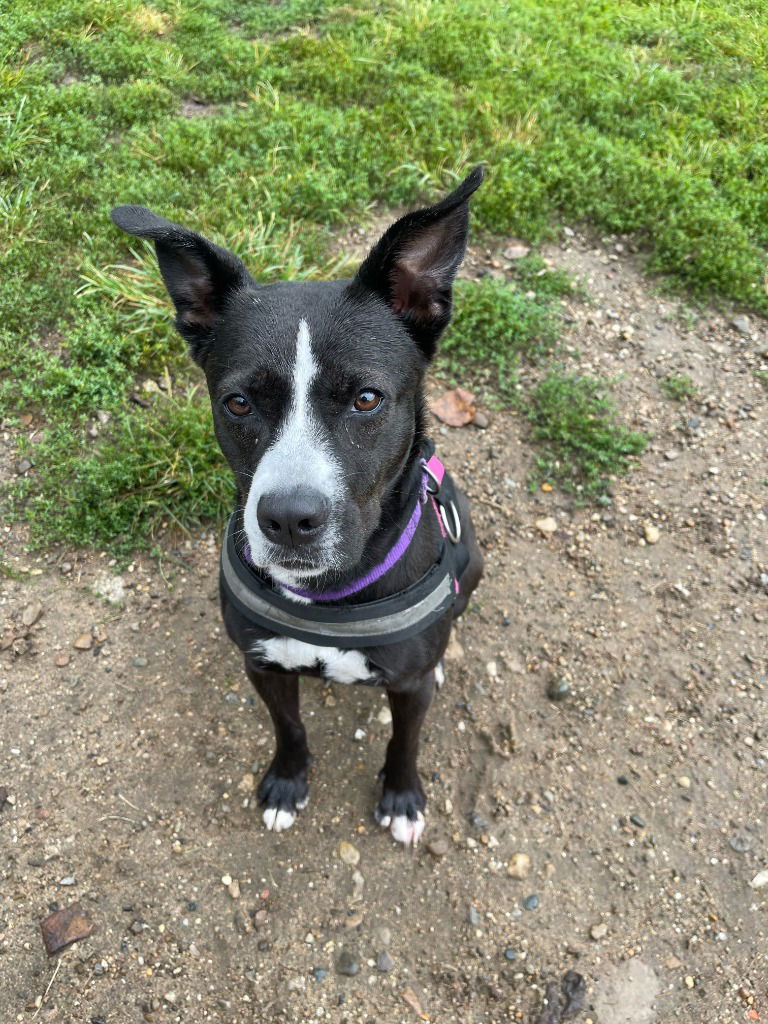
[
  {"x": 634, "y": 116},
  {"x": 582, "y": 444},
  {"x": 678, "y": 386}
]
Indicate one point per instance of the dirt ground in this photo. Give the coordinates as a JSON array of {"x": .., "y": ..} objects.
[{"x": 130, "y": 746}]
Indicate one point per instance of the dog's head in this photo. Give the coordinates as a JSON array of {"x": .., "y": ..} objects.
[{"x": 316, "y": 388}]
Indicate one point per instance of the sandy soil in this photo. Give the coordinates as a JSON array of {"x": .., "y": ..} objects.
[{"x": 131, "y": 742}]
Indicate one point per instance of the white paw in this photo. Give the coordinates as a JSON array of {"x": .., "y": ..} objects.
[
  {"x": 277, "y": 820},
  {"x": 439, "y": 674},
  {"x": 403, "y": 829}
]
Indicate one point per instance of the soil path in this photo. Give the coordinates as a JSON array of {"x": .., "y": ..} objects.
[{"x": 131, "y": 742}]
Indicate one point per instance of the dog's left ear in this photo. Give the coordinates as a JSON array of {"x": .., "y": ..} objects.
[{"x": 413, "y": 264}]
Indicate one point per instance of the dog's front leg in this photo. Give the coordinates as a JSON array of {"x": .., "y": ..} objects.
[
  {"x": 283, "y": 790},
  {"x": 402, "y": 800}
]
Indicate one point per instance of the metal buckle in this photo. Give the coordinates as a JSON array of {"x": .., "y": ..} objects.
[{"x": 454, "y": 532}]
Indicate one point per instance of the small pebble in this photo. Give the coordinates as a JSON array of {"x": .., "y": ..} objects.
[
  {"x": 319, "y": 973},
  {"x": 474, "y": 917},
  {"x": 347, "y": 964},
  {"x": 637, "y": 820},
  {"x": 519, "y": 865},
  {"x": 598, "y": 931},
  {"x": 384, "y": 962},
  {"x": 558, "y": 689},
  {"x": 684, "y": 782},
  {"x": 349, "y": 853},
  {"x": 226, "y": 880},
  {"x": 622, "y": 780},
  {"x": 651, "y": 533},
  {"x": 531, "y": 902},
  {"x": 140, "y": 662},
  {"x": 438, "y": 847},
  {"x": 510, "y": 954},
  {"x": 547, "y": 525}
]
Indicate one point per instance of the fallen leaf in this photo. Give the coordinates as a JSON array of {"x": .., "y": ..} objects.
[
  {"x": 410, "y": 997},
  {"x": 456, "y": 407},
  {"x": 63, "y": 927}
]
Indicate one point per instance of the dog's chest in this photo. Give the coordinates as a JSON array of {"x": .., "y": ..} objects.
[{"x": 340, "y": 666}]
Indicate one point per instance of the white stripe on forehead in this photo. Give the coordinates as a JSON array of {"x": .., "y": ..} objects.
[{"x": 299, "y": 455}]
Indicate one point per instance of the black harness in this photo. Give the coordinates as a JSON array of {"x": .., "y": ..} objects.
[{"x": 388, "y": 620}]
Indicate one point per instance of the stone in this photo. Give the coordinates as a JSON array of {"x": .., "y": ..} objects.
[
  {"x": 438, "y": 847},
  {"x": 626, "y": 993},
  {"x": 83, "y": 642},
  {"x": 110, "y": 588},
  {"x": 64, "y": 927},
  {"x": 651, "y": 533},
  {"x": 558, "y": 688},
  {"x": 349, "y": 853},
  {"x": 516, "y": 250},
  {"x": 760, "y": 880},
  {"x": 531, "y": 902},
  {"x": 347, "y": 964},
  {"x": 598, "y": 931},
  {"x": 547, "y": 525},
  {"x": 481, "y": 421},
  {"x": 742, "y": 324},
  {"x": 31, "y": 614},
  {"x": 384, "y": 962},
  {"x": 519, "y": 865},
  {"x": 140, "y": 662}
]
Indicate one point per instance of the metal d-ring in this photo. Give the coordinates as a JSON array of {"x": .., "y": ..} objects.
[
  {"x": 454, "y": 531},
  {"x": 432, "y": 477}
]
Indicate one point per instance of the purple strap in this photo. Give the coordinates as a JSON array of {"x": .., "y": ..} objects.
[{"x": 434, "y": 469}]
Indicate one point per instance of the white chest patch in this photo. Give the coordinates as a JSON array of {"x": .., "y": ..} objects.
[{"x": 294, "y": 655}]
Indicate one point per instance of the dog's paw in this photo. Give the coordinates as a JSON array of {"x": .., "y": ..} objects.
[
  {"x": 401, "y": 813},
  {"x": 281, "y": 798}
]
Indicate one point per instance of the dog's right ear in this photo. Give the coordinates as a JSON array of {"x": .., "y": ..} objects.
[{"x": 198, "y": 274}]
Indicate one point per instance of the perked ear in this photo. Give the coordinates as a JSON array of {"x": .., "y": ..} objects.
[
  {"x": 198, "y": 274},
  {"x": 413, "y": 264}
]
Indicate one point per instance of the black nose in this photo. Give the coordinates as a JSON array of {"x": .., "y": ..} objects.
[{"x": 293, "y": 517}]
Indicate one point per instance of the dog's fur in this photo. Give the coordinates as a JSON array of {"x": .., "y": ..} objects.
[{"x": 321, "y": 484}]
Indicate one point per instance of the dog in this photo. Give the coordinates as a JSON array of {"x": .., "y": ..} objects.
[{"x": 350, "y": 550}]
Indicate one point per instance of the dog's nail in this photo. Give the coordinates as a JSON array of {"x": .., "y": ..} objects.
[{"x": 277, "y": 820}]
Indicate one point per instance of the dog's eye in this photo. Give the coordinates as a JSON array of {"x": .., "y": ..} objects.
[
  {"x": 237, "y": 405},
  {"x": 367, "y": 400}
]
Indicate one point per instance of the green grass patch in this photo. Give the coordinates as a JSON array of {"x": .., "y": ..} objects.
[
  {"x": 582, "y": 442},
  {"x": 634, "y": 116},
  {"x": 497, "y": 323},
  {"x": 678, "y": 386}
]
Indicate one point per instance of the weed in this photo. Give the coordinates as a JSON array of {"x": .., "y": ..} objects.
[
  {"x": 583, "y": 444},
  {"x": 762, "y": 377},
  {"x": 678, "y": 386}
]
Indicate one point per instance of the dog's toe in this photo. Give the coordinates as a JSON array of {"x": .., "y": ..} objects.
[
  {"x": 278, "y": 820},
  {"x": 406, "y": 831},
  {"x": 404, "y": 828}
]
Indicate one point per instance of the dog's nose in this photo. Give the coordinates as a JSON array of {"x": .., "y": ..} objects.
[{"x": 293, "y": 517}]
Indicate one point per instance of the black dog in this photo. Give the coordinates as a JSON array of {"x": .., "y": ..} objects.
[{"x": 349, "y": 552}]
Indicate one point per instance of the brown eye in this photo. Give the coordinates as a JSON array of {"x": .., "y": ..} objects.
[
  {"x": 237, "y": 405},
  {"x": 368, "y": 400}
]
